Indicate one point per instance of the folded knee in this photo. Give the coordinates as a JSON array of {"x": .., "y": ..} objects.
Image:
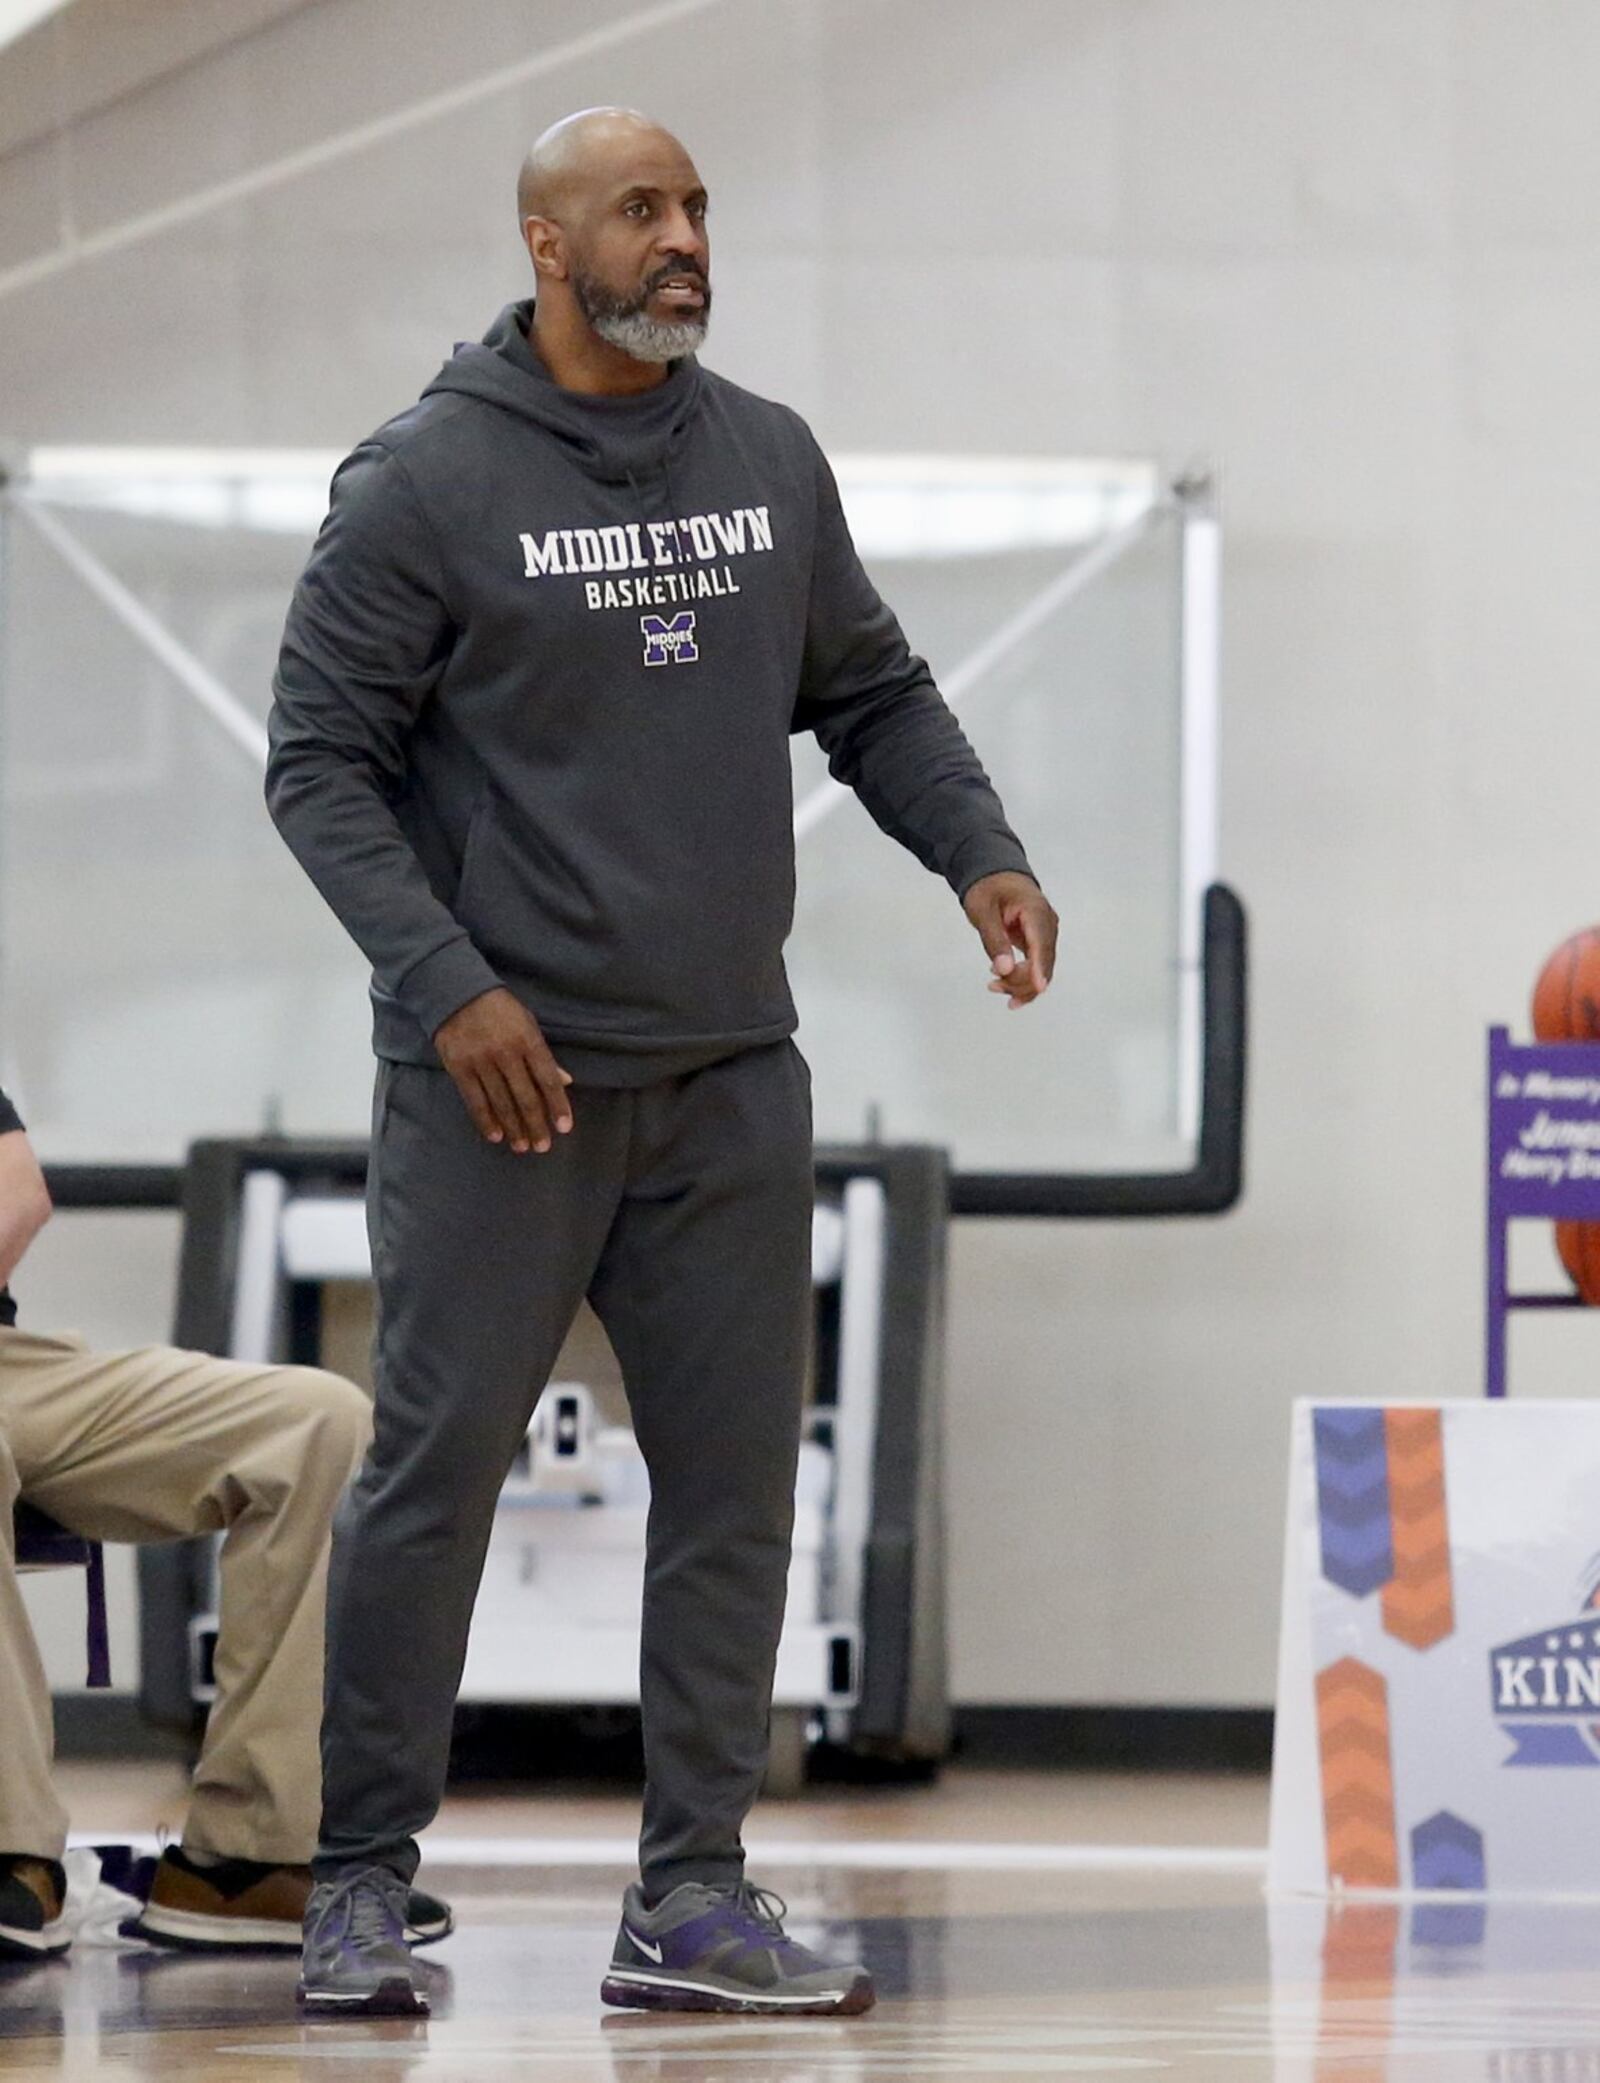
[{"x": 333, "y": 1409}]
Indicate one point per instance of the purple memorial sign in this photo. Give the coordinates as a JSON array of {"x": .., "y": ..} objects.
[{"x": 1544, "y": 1160}]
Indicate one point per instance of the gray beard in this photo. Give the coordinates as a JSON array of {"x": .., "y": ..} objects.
[
  {"x": 630, "y": 327},
  {"x": 649, "y": 339}
]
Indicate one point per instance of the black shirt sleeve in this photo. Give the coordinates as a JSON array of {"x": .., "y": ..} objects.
[
  {"x": 366, "y": 643},
  {"x": 884, "y": 725}
]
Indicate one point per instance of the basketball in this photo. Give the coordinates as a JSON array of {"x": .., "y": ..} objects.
[
  {"x": 1566, "y": 999},
  {"x": 1579, "y": 1246},
  {"x": 1566, "y": 1007}
]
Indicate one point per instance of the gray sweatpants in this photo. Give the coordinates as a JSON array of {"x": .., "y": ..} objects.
[{"x": 683, "y": 1210}]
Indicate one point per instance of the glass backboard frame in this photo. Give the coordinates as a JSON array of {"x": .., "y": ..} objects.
[{"x": 1103, "y": 509}]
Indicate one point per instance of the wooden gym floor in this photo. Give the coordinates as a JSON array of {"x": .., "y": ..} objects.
[{"x": 1021, "y": 1925}]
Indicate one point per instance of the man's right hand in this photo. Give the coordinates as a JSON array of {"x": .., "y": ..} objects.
[{"x": 515, "y": 1090}]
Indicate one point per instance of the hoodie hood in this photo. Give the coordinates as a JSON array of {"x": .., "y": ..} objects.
[{"x": 616, "y": 440}]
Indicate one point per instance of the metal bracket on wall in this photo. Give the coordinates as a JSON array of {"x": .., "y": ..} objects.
[{"x": 1214, "y": 1182}]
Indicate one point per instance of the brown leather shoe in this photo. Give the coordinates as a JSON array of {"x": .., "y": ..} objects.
[
  {"x": 33, "y": 1893},
  {"x": 240, "y": 1903}
]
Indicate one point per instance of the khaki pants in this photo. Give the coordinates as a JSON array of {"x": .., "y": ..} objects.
[{"x": 147, "y": 1446}]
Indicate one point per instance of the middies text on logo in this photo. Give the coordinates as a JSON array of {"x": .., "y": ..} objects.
[{"x": 669, "y": 643}]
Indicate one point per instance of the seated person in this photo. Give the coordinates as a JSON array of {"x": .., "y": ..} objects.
[{"x": 150, "y": 1446}]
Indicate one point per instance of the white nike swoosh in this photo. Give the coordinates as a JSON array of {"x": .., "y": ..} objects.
[{"x": 649, "y": 1951}]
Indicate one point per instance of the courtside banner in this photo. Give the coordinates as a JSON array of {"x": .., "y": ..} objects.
[{"x": 1438, "y": 1724}]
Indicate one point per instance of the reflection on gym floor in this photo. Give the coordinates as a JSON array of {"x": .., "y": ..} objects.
[{"x": 1128, "y": 1967}]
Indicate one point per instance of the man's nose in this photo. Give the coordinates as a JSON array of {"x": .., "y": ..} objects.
[{"x": 681, "y": 234}]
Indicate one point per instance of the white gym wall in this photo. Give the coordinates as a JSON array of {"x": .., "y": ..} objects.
[{"x": 1346, "y": 253}]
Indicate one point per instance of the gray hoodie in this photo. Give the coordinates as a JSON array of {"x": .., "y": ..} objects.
[{"x": 534, "y": 699}]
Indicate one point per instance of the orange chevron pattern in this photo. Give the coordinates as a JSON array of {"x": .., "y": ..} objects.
[
  {"x": 1358, "y": 1946},
  {"x": 1419, "y": 1600},
  {"x": 1357, "y": 1779},
  {"x": 1358, "y": 1966}
]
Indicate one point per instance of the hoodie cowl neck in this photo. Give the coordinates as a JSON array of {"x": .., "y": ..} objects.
[{"x": 616, "y": 440}]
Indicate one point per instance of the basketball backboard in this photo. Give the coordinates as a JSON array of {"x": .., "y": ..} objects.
[{"x": 167, "y": 972}]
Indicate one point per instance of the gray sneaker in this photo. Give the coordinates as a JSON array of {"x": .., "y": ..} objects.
[
  {"x": 723, "y": 1949},
  {"x": 355, "y": 1956}
]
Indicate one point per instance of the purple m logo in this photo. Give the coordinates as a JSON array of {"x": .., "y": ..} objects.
[{"x": 669, "y": 643}]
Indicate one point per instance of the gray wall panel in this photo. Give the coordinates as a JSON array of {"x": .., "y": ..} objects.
[{"x": 1353, "y": 255}]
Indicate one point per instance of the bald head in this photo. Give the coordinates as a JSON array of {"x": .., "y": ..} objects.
[
  {"x": 584, "y": 154},
  {"x": 613, "y": 215}
]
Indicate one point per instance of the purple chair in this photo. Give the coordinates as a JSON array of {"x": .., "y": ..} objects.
[{"x": 42, "y": 1544}]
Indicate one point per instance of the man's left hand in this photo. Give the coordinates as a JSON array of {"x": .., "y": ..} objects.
[{"x": 1018, "y": 930}]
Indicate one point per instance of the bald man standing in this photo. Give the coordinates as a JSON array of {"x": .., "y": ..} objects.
[{"x": 530, "y": 740}]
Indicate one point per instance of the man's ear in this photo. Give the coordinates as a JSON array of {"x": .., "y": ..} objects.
[{"x": 547, "y": 247}]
